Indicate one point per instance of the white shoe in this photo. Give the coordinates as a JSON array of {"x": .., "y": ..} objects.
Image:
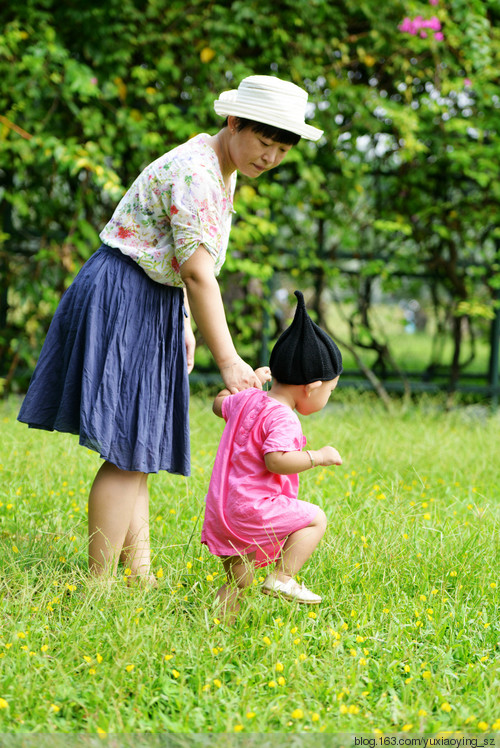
[{"x": 291, "y": 590}]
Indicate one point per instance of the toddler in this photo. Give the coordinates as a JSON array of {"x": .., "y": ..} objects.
[{"x": 253, "y": 515}]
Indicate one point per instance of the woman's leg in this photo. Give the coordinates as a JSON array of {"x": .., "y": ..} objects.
[
  {"x": 299, "y": 546},
  {"x": 118, "y": 512},
  {"x": 240, "y": 574},
  {"x": 136, "y": 553}
]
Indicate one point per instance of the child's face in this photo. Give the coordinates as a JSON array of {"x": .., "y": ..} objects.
[{"x": 317, "y": 397}]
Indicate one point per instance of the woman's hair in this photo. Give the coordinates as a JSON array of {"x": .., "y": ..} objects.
[{"x": 267, "y": 131}]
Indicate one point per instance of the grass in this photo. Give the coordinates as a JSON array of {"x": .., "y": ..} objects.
[{"x": 407, "y": 639}]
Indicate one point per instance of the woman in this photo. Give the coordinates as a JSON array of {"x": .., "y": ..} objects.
[{"x": 114, "y": 367}]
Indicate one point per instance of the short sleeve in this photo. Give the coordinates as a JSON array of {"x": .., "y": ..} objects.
[
  {"x": 282, "y": 432},
  {"x": 195, "y": 215}
]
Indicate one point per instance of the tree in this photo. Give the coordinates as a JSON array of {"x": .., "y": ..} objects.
[{"x": 405, "y": 177}]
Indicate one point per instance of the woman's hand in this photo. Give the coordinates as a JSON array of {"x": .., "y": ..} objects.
[{"x": 238, "y": 375}]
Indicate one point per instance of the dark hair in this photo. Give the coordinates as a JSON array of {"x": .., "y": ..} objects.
[{"x": 267, "y": 131}]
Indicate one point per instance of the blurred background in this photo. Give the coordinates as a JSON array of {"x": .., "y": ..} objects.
[{"x": 389, "y": 224}]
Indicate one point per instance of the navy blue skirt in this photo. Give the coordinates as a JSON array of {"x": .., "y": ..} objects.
[{"x": 113, "y": 368}]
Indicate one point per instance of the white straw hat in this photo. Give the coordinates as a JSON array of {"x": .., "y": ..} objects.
[{"x": 267, "y": 99}]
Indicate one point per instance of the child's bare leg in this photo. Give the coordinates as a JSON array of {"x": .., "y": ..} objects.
[
  {"x": 299, "y": 546},
  {"x": 136, "y": 553},
  {"x": 112, "y": 502},
  {"x": 239, "y": 571}
]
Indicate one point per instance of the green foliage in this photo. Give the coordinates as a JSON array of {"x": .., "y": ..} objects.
[{"x": 406, "y": 173}]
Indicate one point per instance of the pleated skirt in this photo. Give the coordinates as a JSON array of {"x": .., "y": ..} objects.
[{"x": 113, "y": 368}]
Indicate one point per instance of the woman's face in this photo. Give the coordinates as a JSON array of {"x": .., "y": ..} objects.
[{"x": 253, "y": 154}]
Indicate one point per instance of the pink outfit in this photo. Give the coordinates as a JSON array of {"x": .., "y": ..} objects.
[{"x": 248, "y": 508}]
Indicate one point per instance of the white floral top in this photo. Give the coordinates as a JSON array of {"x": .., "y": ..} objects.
[{"x": 177, "y": 203}]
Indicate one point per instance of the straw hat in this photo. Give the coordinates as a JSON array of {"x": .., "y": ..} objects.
[{"x": 267, "y": 99}]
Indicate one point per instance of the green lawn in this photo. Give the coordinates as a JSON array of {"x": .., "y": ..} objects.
[{"x": 407, "y": 639}]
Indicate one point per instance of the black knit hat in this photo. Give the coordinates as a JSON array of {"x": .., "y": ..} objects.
[{"x": 304, "y": 353}]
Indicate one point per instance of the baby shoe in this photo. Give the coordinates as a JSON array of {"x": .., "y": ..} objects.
[{"x": 291, "y": 590}]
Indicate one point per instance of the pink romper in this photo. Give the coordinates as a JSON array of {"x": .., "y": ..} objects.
[{"x": 248, "y": 508}]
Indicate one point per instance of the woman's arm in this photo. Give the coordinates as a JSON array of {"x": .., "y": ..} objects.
[
  {"x": 288, "y": 463},
  {"x": 206, "y": 305}
]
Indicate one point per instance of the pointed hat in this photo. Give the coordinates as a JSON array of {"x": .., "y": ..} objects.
[{"x": 304, "y": 353}]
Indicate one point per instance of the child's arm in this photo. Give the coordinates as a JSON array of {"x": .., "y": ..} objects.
[
  {"x": 287, "y": 463},
  {"x": 264, "y": 375},
  {"x": 217, "y": 405}
]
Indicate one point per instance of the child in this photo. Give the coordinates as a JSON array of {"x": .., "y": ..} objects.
[{"x": 252, "y": 510}]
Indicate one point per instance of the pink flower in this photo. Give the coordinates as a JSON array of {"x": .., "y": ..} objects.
[
  {"x": 93, "y": 81},
  {"x": 406, "y": 26},
  {"x": 434, "y": 23},
  {"x": 438, "y": 36},
  {"x": 433, "y": 2},
  {"x": 416, "y": 25},
  {"x": 467, "y": 82}
]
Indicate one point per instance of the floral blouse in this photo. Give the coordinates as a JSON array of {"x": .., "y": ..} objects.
[{"x": 177, "y": 203}]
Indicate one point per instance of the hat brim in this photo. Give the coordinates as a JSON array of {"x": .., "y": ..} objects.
[{"x": 237, "y": 109}]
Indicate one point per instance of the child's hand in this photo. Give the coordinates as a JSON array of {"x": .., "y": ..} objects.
[
  {"x": 264, "y": 374},
  {"x": 328, "y": 456}
]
